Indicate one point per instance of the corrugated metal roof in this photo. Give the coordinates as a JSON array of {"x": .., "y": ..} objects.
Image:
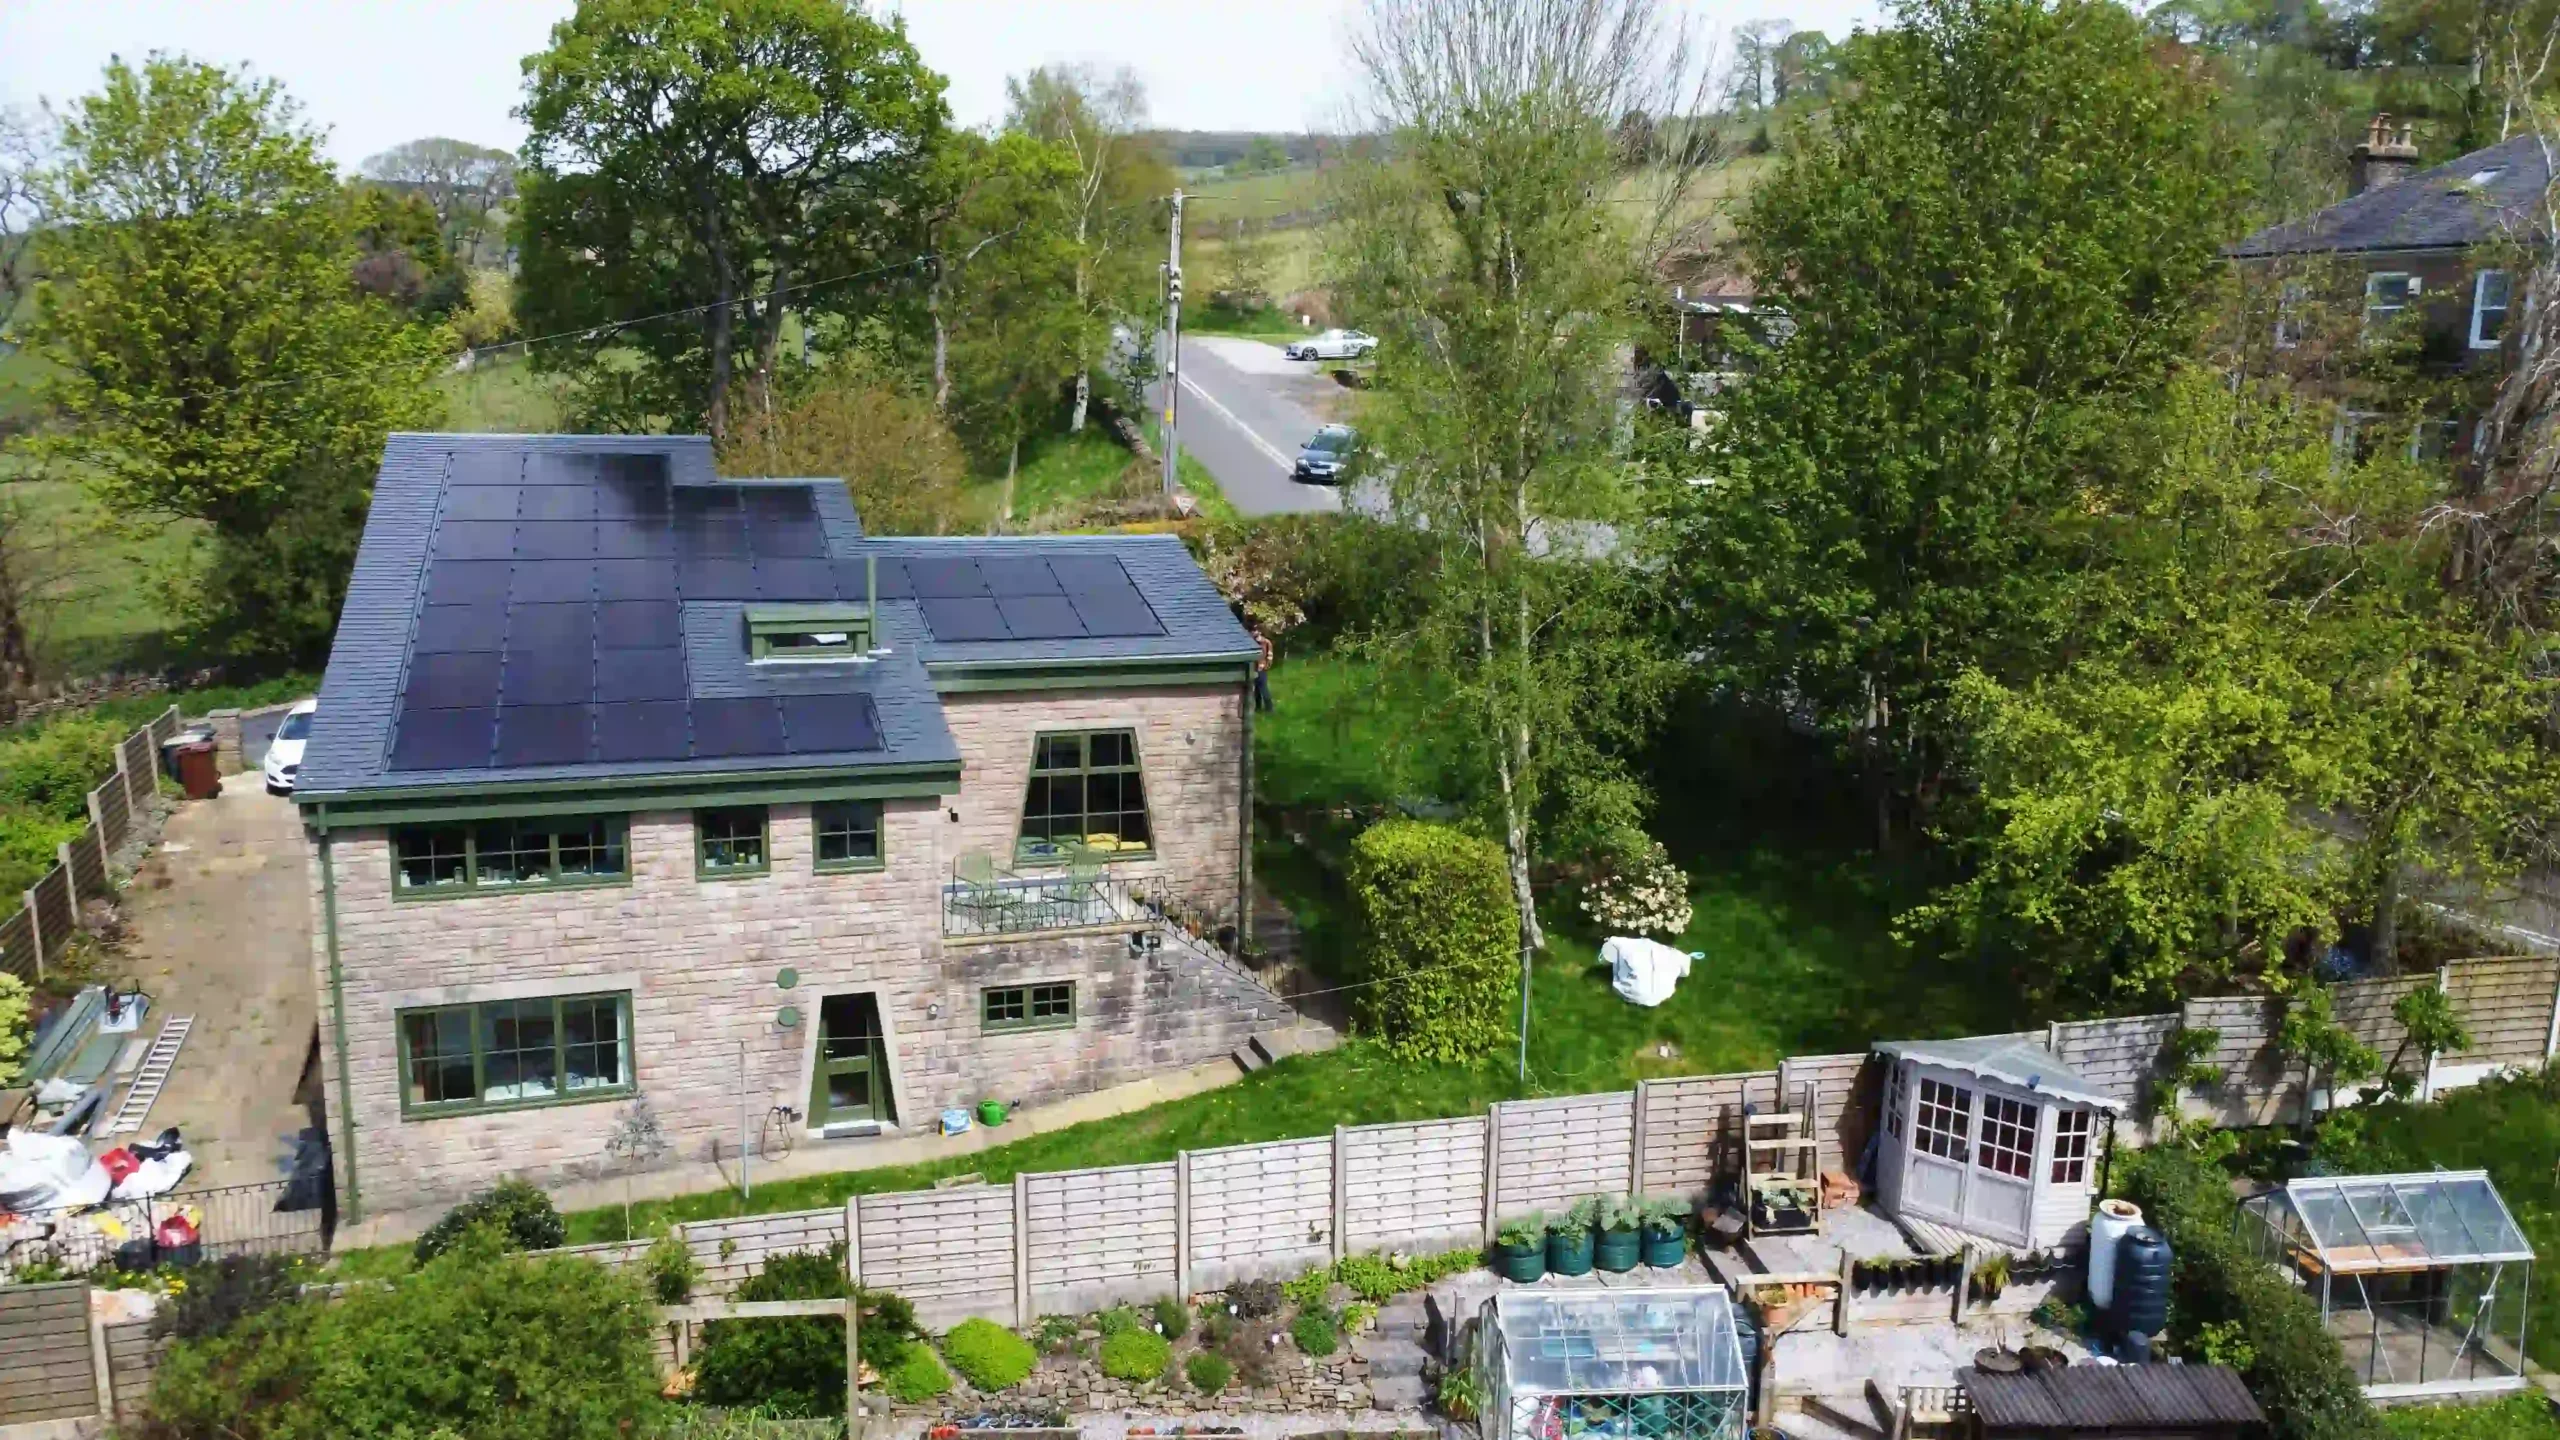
[
  {"x": 2483, "y": 196},
  {"x": 2016, "y": 1059},
  {"x": 2111, "y": 1397}
]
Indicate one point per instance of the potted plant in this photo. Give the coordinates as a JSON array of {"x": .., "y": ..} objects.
[
  {"x": 1666, "y": 1234},
  {"x": 1621, "y": 1242},
  {"x": 1569, "y": 1239},
  {"x": 1991, "y": 1276},
  {"x": 1520, "y": 1250}
]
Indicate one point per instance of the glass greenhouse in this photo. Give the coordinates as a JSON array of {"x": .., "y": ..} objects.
[
  {"x": 1638, "y": 1364},
  {"x": 2422, "y": 1278}
]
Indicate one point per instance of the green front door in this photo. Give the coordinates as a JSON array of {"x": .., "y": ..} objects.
[{"x": 852, "y": 1080}]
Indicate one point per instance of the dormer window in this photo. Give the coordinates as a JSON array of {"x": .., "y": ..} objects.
[{"x": 808, "y": 632}]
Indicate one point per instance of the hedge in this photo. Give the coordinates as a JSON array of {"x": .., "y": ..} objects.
[
  {"x": 987, "y": 1355},
  {"x": 2267, "y": 1329},
  {"x": 1439, "y": 954},
  {"x": 52, "y": 772}
]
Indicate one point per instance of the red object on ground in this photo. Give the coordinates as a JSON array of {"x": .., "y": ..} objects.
[
  {"x": 119, "y": 1163},
  {"x": 176, "y": 1232},
  {"x": 197, "y": 773}
]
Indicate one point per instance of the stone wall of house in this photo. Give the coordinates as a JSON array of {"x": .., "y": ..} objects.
[{"x": 701, "y": 960}]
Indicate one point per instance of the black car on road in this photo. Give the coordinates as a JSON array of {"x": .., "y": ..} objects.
[{"x": 1322, "y": 459}]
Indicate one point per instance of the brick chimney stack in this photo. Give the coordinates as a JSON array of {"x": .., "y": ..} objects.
[{"x": 2387, "y": 155}]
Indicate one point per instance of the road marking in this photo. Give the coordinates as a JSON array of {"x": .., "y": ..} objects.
[{"x": 1265, "y": 446}]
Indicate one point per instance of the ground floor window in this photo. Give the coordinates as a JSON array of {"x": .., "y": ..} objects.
[
  {"x": 1047, "y": 1006},
  {"x": 730, "y": 842},
  {"x": 2008, "y": 1136},
  {"x": 2071, "y": 1130},
  {"x": 1086, "y": 793},
  {"x": 1943, "y": 1125},
  {"x": 514, "y": 1052},
  {"x": 510, "y": 854},
  {"x": 848, "y": 834}
]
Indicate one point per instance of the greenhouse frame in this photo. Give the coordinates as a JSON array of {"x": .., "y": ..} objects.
[
  {"x": 1638, "y": 1364},
  {"x": 2422, "y": 1278}
]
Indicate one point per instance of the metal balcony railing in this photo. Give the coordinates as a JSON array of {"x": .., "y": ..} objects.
[{"x": 1010, "y": 904}]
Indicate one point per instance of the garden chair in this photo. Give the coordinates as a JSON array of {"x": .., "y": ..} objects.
[{"x": 983, "y": 894}]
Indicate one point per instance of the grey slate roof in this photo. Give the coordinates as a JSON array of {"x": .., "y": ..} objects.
[
  {"x": 2014, "y": 1059},
  {"x": 371, "y": 660},
  {"x": 2086, "y": 1399},
  {"x": 2444, "y": 208}
]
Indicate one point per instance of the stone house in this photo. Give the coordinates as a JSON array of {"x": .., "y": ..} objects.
[{"x": 632, "y": 787}]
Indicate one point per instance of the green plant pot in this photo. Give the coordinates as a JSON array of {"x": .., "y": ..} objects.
[
  {"x": 1618, "y": 1250},
  {"x": 1569, "y": 1252},
  {"x": 1665, "y": 1247},
  {"x": 990, "y": 1112},
  {"x": 1522, "y": 1264}
]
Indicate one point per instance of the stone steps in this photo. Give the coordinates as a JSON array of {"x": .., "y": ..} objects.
[{"x": 1269, "y": 1046}]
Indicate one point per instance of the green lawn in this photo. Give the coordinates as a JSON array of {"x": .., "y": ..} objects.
[
  {"x": 501, "y": 395},
  {"x": 2518, "y": 1417},
  {"x": 99, "y": 605}
]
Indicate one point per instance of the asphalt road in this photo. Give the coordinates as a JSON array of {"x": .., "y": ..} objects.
[{"x": 1244, "y": 413}]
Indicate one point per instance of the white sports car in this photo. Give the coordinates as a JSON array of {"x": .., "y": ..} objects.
[{"x": 1332, "y": 345}]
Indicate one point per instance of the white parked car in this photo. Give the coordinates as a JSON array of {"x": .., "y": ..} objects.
[
  {"x": 284, "y": 753},
  {"x": 1332, "y": 345}
]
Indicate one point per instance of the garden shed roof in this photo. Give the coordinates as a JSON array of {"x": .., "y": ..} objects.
[
  {"x": 2014, "y": 1059},
  {"x": 2135, "y": 1398}
]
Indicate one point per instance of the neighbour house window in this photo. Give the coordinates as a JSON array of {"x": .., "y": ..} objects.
[
  {"x": 1944, "y": 1123},
  {"x": 2433, "y": 439},
  {"x": 2008, "y": 1136},
  {"x": 729, "y": 842},
  {"x": 2071, "y": 1131},
  {"x": 2289, "y": 326},
  {"x": 1085, "y": 792},
  {"x": 2386, "y": 294},
  {"x": 515, "y": 1052},
  {"x": 1049, "y": 1006},
  {"x": 808, "y": 632},
  {"x": 2489, "y": 290},
  {"x": 848, "y": 834},
  {"x": 526, "y": 853}
]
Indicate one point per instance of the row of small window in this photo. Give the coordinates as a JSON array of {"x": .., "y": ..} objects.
[
  {"x": 2389, "y": 292},
  {"x": 1942, "y": 1125},
  {"x": 499, "y": 1054},
  {"x": 595, "y": 849}
]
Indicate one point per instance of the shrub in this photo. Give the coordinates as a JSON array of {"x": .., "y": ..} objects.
[
  {"x": 2221, "y": 1296},
  {"x": 1316, "y": 1331},
  {"x": 28, "y": 843},
  {"x": 917, "y": 1376},
  {"x": 1256, "y": 1299},
  {"x": 16, "y": 1030},
  {"x": 1135, "y": 1355},
  {"x": 1173, "y": 1318},
  {"x": 51, "y": 772},
  {"x": 1248, "y": 1348},
  {"x": 796, "y": 1366},
  {"x": 1056, "y": 1334},
  {"x": 1438, "y": 956},
  {"x": 476, "y": 1342},
  {"x": 1209, "y": 1373},
  {"x": 2517, "y": 1417},
  {"x": 1308, "y": 1289},
  {"x": 224, "y": 1293},
  {"x": 987, "y": 1355},
  {"x": 521, "y": 1214},
  {"x": 672, "y": 1269},
  {"x": 1118, "y": 1320}
]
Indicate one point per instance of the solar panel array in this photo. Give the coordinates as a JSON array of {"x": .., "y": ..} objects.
[
  {"x": 548, "y": 628},
  {"x": 1061, "y": 597}
]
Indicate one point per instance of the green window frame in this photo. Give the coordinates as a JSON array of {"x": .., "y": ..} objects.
[
  {"x": 515, "y": 1054},
  {"x": 808, "y": 632},
  {"x": 1085, "y": 784},
  {"x": 847, "y": 835},
  {"x": 534, "y": 852},
  {"x": 732, "y": 843},
  {"x": 1041, "y": 1005}
]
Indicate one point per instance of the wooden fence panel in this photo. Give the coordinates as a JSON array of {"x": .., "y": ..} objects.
[
  {"x": 114, "y": 811},
  {"x": 1550, "y": 1153},
  {"x": 2120, "y": 1056},
  {"x": 949, "y": 1252},
  {"x": 2364, "y": 1008},
  {"x": 18, "y": 946},
  {"x": 2506, "y": 1004},
  {"x": 1693, "y": 1127},
  {"x": 2255, "y": 1089},
  {"x": 88, "y": 869},
  {"x": 751, "y": 1240},
  {"x": 1260, "y": 1210},
  {"x": 1845, "y": 1105},
  {"x": 55, "y": 912},
  {"x": 1099, "y": 1237},
  {"x": 141, "y": 755},
  {"x": 46, "y": 1372},
  {"x": 1416, "y": 1187}
]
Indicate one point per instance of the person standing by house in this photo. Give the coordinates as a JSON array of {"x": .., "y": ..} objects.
[{"x": 1261, "y": 671}]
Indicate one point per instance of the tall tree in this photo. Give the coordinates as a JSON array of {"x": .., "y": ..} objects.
[
  {"x": 1119, "y": 180},
  {"x": 461, "y": 181},
  {"x": 1990, "y": 251},
  {"x": 1752, "y": 82},
  {"x": 212, "y": 360},
  {"x": 1016, "y": 324},
  {"x": 1501, "y": 279},
  {"x": 735, "y": 159}
]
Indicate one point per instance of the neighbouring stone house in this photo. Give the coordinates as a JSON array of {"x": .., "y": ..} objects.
[{"x": 633, "y": 783}]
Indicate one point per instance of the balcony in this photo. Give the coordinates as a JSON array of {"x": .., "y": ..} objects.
[{"x": 980, "y": 901}]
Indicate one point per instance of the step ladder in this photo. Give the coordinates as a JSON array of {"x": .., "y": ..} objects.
[{"x": 147, "y": 1082}]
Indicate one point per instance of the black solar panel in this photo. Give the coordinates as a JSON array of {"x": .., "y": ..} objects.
[
  {"x": 800, "y": 538},
  {"x": 706, "y": 500},
  {"x": 453, "y": 680},
  {"x": 965, "y": 619},
  {"x": 824, "y": 724},
  {"x": 548, "y": 677},
  {"x": 622, "y": 498},
  {"x": 637, "y": 625},
  {"x": 557, "y": 468},
  {"x": 736, "y": 727},
  {"x": 715, "y": 580},
  {"x": 893, "y": 579},
  {"x": 635, "y": 580},
  {"x": 640, "y": 675},
  {"x": 481, "y": 467},
  {"x": 777, "y": 502},
  {"x": 467, "y": 582},
  {"x": 555, "y": 539},
  {"x": 1086, "y": 572},
  {"x": 543, "y": 734},
  {"x": 710, "y": 535},
  {"x": 937, "y": 579},
  {"x": 650, "y": 730},
  {"x": 1018, "y": 577},
  {"x": 634, "y": 537},
  {"x": 558, "y": 502},
  {"x": 1121, "y": 613},
  {"x": 443, "y": 739},
  {"x": 624, "y": 467},
  {"x": 552, "y": 581},
  {"x": 1039, "y": 617},
  {"x": 460, "y": 627},
  {"x": 475, "y": 540},
  {"x": 480, "y": 502},
  {"x": 551, "y": 627},
  {"x": 796, "y": 580}
]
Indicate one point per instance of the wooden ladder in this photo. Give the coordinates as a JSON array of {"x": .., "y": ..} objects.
[
  {"x": 154, "y": 1074},
  {"x": 1796, "y": 1155}
]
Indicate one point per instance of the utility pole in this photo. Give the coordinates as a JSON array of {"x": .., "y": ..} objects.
[{"x": 1173, "y": 349}]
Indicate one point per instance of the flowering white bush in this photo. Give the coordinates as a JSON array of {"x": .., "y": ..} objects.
[{"x": 1644, "y": 895}]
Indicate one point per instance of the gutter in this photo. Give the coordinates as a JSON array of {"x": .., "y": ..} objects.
[{"x": 338, "y": 1022}]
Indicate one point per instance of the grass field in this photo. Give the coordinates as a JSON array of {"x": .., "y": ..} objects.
[{"x": 500, "y": 396}]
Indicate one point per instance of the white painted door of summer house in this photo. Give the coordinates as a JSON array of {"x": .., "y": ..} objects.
[{"x": 1972, "y": 1158}]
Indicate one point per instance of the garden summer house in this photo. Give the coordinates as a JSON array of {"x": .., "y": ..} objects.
[{"x": 1990, "y": 1137}]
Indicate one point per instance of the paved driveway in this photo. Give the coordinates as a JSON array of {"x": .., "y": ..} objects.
[{"x": 1245, "y": 411}]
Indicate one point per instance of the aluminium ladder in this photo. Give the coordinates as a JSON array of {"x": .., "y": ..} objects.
[{"x": 154, "y": 1074}]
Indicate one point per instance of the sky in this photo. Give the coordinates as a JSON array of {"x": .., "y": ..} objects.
[{"x": 378, "y": 72}]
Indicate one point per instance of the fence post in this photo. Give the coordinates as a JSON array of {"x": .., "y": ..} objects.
[
  {"x": 2551, "y": 1035},
  {"x": 70, "y": 877},
  {"x": 2444, "y": 986},
  {"x": 1341, "y": 1195},
  {"x": 1492, "y": 1170},
  {"x": 852, "y": 1317},
  {"x": 1182, "y": 1225},
  {"x": 1022, "y": 1315},
  {"x": 1635, "y": 1138},
  {"x": 98, "y": 1372},
  {"x": 35, "y": 925}
]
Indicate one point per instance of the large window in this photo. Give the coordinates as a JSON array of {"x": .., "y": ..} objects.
[
  {"x": 515, "y": 1052},
  {"x": 1943, "y": 1125},
  {"x": 2071, "y": 1131},
  {"x": 1050, "y": 1006},
  {"x": 848, "y": 834},
  {"x": 1085, "y": 793},
  {"x": 2008, "y": 1136},
  {"x": 729, "y": 843},
  {"x": 2386, "y": 294},
  {"x": 510, "y": 854},
  {"x": 2489, "y": 298}
]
